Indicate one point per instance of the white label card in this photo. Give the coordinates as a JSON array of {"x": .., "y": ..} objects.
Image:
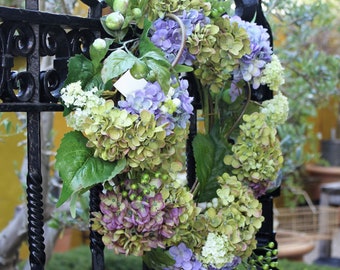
[{"x": 127, "y": 84}]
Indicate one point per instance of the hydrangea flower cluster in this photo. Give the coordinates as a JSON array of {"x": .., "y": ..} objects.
[
  {"x": 73, "y": 96},
  {"x": 138, "y": 131},
  {"x": 276, "y": 109},
  {"x": 184, "y": 258},
  {"x": 171, "y": 110},
  {"x": 232, "y": 221},
  {"x": 257, "y": 156},
  {"x": 218, "y": 46},
  {"x": 138, "y": 215},
  {"x": 167, "y": 34},
  {"x": 228, "y": 225},
  {"x": 272, "y": 75},
  {"x": 253, "y": 63}
]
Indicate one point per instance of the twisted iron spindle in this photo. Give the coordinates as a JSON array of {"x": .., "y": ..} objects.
[
  {"x": 34, "y": 194},
  {"x": 96, "y": 243}
]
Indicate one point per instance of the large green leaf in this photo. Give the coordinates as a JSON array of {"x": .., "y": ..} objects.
[
  {"x": 204, "y": 151},
  {"x": 209, "y": 153},
  {"x": 158, "y": 259},
  {"x": 116, "y": 64},
  {"x": 78, "y": 169},
  {"x": 81, "y": 69}
]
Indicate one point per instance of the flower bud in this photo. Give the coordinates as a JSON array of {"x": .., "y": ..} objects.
[
  {"x": 137, "y": 13},
  {"x": 99, "y": 44},
  {"x": 120, "y": 6},
  {"x": 114, "y": 21}
]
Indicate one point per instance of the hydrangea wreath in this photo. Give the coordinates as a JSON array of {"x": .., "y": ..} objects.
[{"x": 130, "y": 107}]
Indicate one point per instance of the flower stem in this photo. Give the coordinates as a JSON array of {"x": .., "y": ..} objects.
[
  {"x": 183, "y": 37},
  {"x": 248, "y": 97}
]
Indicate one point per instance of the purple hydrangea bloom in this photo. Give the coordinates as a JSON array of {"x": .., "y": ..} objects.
[
  {"x": 235, "y": 91},
  {"x": 260, "y": 188},
  {"x": 184, "y": 259},
  {"x": 150, "y": 219},
  {"x": 252, "y": 64},
  {"x": 149, "y": 98},
  {"x": 167, "y": 35},
  {"x": 183, "y": 111}
]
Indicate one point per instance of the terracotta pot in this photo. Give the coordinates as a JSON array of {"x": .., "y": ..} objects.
[
  {"x": 317, "y": 176},
  {"x": 293, "y": 245}
]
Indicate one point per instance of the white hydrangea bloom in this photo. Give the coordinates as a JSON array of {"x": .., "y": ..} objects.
[
  {"x": 82, "y": 102},
  {"x": 215, "y": 250},
  {"x": 273, "y": 74},
  {"x": 77, "y": 119},
  {"x": 74, "y": 96},
  {"x": 276, "y": 109}
]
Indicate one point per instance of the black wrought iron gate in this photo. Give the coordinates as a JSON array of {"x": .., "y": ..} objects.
[{"x": 34, "y": 34}]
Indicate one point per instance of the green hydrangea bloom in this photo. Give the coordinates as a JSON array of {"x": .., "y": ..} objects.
[
  {"x": 232, "y": 219},
  {"x": 272, "y": 74},
  {"x": 217, "y": 47},
  {"x": 276, "y": 109},
  {"x": 257, "y": 154}
]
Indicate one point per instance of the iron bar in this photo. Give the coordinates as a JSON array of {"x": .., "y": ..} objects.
[
  {"x": 34, "y": 193},
  {"x": 42, "y": 17}
]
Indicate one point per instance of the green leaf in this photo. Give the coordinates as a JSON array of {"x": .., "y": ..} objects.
[
  {"x": 158, "y": 259},
  {"x": 183, "y": 68},
  {"x": 157, "y": 56},
  {"x": 81, "y": 69},
  {"x": 162, "y": 73},
  {"x": 96, "y": 81},
  {"x": 209, "y": 152},
  {"x": 116, "y": 64},
  {"x": 204, "y": 150},
  {"x": 78, "y": 169}
]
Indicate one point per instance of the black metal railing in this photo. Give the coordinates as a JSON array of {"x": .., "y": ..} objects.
[{"x": 34, "y": 34}]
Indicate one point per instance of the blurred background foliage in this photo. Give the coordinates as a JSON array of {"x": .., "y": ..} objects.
[{"x": 307, "y": 40}]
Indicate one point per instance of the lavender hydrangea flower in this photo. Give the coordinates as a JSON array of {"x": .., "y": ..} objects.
[
  {"x": 151, "y": 219},
  {"x": 184, "y": 259},
  {"x": 260, "y": 188},
  {"x": 251, "y": 65},
  {"x": 167, "y": 34},
  {"x": 173, "y": 110},
  {"x": 177, "y": 108},
  {"x": 149, "y": 98}
]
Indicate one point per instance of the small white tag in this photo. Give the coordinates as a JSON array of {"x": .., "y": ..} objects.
[{"x": 127, "y": 84}]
